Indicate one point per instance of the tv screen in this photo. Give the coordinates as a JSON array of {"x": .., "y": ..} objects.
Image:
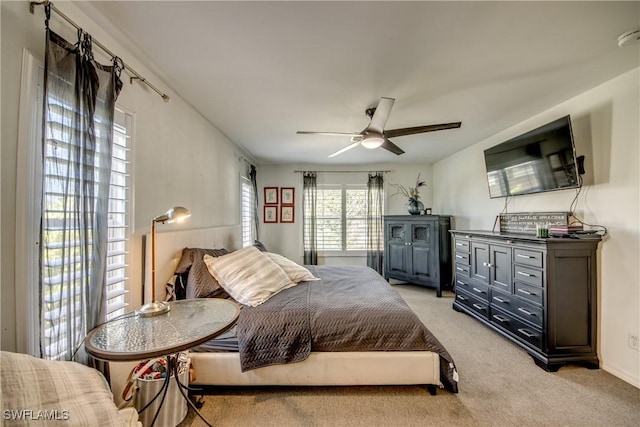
[{"x": 543, "y": 159}]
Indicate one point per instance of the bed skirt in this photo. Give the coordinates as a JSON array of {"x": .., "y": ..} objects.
[{"x": 328, "y": 369}]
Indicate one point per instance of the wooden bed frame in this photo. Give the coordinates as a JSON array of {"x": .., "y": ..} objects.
[{"x": 340, "y": 369}]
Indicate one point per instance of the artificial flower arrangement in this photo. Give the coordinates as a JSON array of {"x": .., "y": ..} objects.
[{"x": 412, "y": 193}]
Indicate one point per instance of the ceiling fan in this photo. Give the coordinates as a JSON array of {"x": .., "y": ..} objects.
[{"x": 374, "y": 135}]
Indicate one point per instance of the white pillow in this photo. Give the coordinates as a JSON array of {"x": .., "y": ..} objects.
[
  {"x": 296, "y": 272},
  {"x": 248, "y": 275}
]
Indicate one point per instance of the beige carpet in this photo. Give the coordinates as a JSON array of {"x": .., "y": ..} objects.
[{"x": 499, "y": 386}]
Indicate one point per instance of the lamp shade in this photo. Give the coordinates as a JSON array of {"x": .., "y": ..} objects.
[{"x": 175, "y": 214}]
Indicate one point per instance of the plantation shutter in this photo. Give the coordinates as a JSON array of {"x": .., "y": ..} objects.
[
  {"x": 247, "y": 203},
  {"x": 118, "y": 240}
]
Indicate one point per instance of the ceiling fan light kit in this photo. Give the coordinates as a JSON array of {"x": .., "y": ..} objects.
[
  {"x": 375, "y": 136},
  {"x": 629, "y": 37},
  {"x": 373, "y": 141}
]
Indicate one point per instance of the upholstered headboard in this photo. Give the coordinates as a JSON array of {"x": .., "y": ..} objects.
[{"x": 169, "y": 246}]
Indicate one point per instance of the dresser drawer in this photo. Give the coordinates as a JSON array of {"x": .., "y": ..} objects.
[
  {"x": 463, "y": 270},
  {"x": 517, "y": 307},
  {"x": 517, "y": 327},
  {"x": 462, "y": 245},
  {"x": 479, "y": 306},
  {"x": 528, "y": 292},
  {"x": 463, "y": 258},
  {"x": 527, "y": 257},
  {"x": 473, "y": 288},
  {"x": 528, "y": 275}
]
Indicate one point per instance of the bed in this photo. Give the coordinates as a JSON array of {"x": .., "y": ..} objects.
[{"x": 348, "y": 328}]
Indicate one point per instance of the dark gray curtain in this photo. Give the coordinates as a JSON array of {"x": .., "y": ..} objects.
[
  {"x": 375, "y": 245},
  {"x": 79, "y": 100},
  {"x": 309, "y": 202},
  {"x": 254, "y": 183}
]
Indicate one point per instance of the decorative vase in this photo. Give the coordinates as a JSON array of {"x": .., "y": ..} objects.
[{"x": 415, "y": 206}]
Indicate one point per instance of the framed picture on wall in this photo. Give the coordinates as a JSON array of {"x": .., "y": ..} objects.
[
  {"x": 270, "y": 214},
  {"x": 270, "y": 195},
  {"x": 286, "y": 214},
  {"x": 287, "y": 196}
]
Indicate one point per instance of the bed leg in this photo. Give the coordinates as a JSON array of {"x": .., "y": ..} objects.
[{"x": 432, "y": 389}]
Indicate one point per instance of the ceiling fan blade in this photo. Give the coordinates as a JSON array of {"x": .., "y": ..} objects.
[
  {"x": 303, "y": 132},
  {"x": 379, "y": 119},
  {"x": 347, "y": 148},
  {"x": 420, "y": 129},
  {"x": 388, "y": 145}
]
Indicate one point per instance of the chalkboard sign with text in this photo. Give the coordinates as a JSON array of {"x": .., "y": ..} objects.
[{"x": 525, "y": 222}]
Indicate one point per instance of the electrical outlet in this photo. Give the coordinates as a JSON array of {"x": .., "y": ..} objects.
[{"x": 634, "y": 342}]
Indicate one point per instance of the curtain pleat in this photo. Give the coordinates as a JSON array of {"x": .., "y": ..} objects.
[
  {"x": 309, "y": 226},
  {"x": 79, "y": 101},
  {"x": 253, "y": 176},
  {"x": 374, "y": 241}
]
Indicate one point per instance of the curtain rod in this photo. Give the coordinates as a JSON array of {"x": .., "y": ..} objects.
[
  {"x": 386, "y": 171},
  {"x": 136, "y": 75}
]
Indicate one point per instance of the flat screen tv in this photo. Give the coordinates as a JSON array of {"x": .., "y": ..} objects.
[{"x": 543, "y": 159}]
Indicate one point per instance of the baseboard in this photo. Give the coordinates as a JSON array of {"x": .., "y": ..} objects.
[{"x": 622, "y": 374}]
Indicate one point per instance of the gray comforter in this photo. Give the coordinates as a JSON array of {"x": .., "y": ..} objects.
[{"x": 350, "y": 309}]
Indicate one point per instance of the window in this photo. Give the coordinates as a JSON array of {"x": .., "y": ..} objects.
[
  {"x": 247, "y": 201},
  {"x": 31, "y": 332},
  {"x": 341, "y": 218}
]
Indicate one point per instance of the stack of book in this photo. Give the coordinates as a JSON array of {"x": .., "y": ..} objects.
[{"x": 563, "y": 229}]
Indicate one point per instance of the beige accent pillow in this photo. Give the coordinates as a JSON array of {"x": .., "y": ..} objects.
[
  {"x": 296, "y": 272},
  {"x": 248, "y": 275}
]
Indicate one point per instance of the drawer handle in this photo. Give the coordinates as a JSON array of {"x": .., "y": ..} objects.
[
  {"x": 500, "y": 319},
  {"x": 525, "y": 311},
  {"x": 522, "y": 273},
  {"x": 460, "y": 297},
  {"x": 478, "y": 306},
  {"x": 459, "y": 269},
  {"x": 526, "y": 333},
  {"x": 525, "y": 256},
  {"x": 499, "y": 300},
  {"x": 460, "y": 244},
  {"x": 522, "y": 291},
  {"x": 460, "y": 283},
  {"x": 480, "y": 291},
  {"x": 459, "y": 256}
]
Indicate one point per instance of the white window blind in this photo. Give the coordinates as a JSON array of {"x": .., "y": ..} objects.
[
  {"x": 119, "y": 214},
  {"x": 247, "y": 198},
  {"x": 341, "y": 213},
  {"x": 62, "y": 304}
]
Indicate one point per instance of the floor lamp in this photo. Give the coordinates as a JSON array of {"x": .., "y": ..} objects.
[{"x": 155, "y": 308}]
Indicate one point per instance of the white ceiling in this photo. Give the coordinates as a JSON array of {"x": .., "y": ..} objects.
[{"x": 260, "y": 71}]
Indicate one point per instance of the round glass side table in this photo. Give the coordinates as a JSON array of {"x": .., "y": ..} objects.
[{"x": 188, "y": 323}]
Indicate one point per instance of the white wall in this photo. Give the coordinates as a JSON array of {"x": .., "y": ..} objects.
[
  {"x": 179, "y": 157},
  {"x": 606, "y": 124},
  {"x": 287, "y": 238}
]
